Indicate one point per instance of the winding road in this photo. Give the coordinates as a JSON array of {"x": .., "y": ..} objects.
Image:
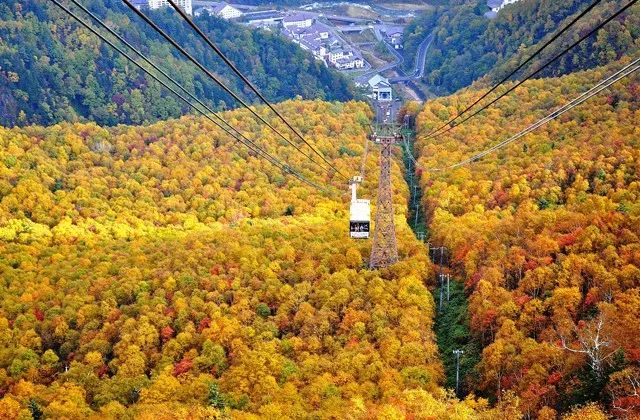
[
  {"x": 418, "y": 71},
  {"x": 421, "y": 58}
]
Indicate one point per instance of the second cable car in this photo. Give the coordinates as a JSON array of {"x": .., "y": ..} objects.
[{"x": 359, "y": 213}]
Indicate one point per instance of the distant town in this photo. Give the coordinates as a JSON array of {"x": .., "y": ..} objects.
[
  {"x": 360, "y": 40},
  {"x": 324, "y": 35}
]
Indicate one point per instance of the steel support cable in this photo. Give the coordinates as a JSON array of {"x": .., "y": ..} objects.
[
  {"x": 524, "y": 63},
  {"x": 250, "y": 145},
  {"x": 584, "y": 97},
  {"x": 158, "y": 69},
  {"x": 255, "y": 90},
  {"x": 363, "y": 165},
  {"x": 214, "y": 77},
  {"x": 599, "y": 87},
  {"x": 547, "y": 64}
]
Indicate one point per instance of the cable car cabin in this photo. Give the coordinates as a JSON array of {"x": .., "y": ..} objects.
[{"x": 360, "y": 219}]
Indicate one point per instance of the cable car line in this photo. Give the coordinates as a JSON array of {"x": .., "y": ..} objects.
[
  {"x": 535, "y": 54},
  {"x": 364, "y": 157},
  {"x": 213, "y": 77},
  {"x": 599, "y": 87},
  {"x": 253, "y": 147},
  {"x": 547, "y": 64},
  {"x": 577, "y": 101},
  {"x": 250, "y": 145},
  {"x": 156, "y": 67},
  {"x": 233, "y": 67}
]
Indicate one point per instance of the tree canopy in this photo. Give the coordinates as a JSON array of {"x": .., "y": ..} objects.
[
  {"x": 545, "y": 233},
  {"x": 52, "y": 70},
  {"x": 468, "y": 45}
]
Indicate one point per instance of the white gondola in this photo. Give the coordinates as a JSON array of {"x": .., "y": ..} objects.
[{"x": 359, "y": 214}]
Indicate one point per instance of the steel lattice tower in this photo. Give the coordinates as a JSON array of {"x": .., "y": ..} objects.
[{"x": 385, "y": 248}]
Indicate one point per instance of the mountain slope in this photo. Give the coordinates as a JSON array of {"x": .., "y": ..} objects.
[
  {"x": 52, "y": 71},
  {"x": 154, "y": 271},
  {"x": 545, "y": 234},
  {"x": 468, "y": 46}
]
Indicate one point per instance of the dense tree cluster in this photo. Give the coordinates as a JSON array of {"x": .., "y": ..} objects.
[
  {"x": 468, "y": 45},
  {"x": 155, "y": 272},
  {"x": 51, "y": 70},
  {"x": 546, "y": 235}
]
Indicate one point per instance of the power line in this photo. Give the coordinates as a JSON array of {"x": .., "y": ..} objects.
[
  {"x": 535, "y": 54},
  {"x": 247, "y": 81},
  {"x": 599, "y": 87},
  {"x": 566, "y": 50},
  {"x": 252, "y": 146},
  {"x": 214, "y": 77}
]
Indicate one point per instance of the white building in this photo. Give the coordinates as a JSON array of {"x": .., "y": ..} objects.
[
  {"x": 317, "y": 49},
  {"x": 395, "y": 38},
  {"x": 157, "y": 4},
  {"x": 298, "y": 20},
  {"x": 380, "y": 88},
  {"x": 222, "y": 10},
  {"x": 497, "y": 5},
  {"x": 335, "y": 55},
  {"x": 349, "y": 63}
]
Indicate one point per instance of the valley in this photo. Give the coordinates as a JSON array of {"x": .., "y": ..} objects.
[{"x": 329, "y": 210}]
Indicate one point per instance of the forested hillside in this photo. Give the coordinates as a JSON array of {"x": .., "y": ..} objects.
[
  {"x": 468, "y": 45},
  {"x": 52, "y": 71},
  {"x": 155, "y": 272},
  {"x": 545, "y": 234}
]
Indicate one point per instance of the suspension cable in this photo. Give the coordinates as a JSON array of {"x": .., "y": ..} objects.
[
  {"x": 547, "y": 64},
  {"x": 250, "y": 145},
  {"x": 524, "y": 63},
  {"x": 214, "y": 77},
  {"x": 157, "y": 68},
  {"x": 233, "y": 67},
  {"x": 599, "y": 87}
]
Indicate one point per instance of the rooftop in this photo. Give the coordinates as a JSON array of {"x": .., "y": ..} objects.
[
  {"x": 377, "y": 80},
  {"x": 219, "y": 7},
  {"x": 262, "y": 15},
  {"x": 299, "y": 17}
]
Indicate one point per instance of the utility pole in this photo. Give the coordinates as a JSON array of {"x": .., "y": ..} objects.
[
  {"x": 384, "y": 251},
  {"x": 441, "y": 276},
  {"x": 458, "y": 352}
]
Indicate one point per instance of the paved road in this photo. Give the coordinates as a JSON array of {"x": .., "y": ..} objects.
[
  {"x": 421, "y": 58},
  {"x": 399, "y": 59},
  {"x": 353, "y": 28},
  {"x": 418, "y": 71}
]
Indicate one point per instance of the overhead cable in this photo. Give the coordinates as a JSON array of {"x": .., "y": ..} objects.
[
  {"x": 599, "y": 87},
  {"x": 246, "y": 80},
  {"x": 524, "y": 63},
  {"x": 252, "y": 146},
  {"x": 547, "y": 64},
  {"x": 214, "y": 78}
]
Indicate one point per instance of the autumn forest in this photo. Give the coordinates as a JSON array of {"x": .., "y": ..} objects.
[{"x": 156, "y": 265}]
